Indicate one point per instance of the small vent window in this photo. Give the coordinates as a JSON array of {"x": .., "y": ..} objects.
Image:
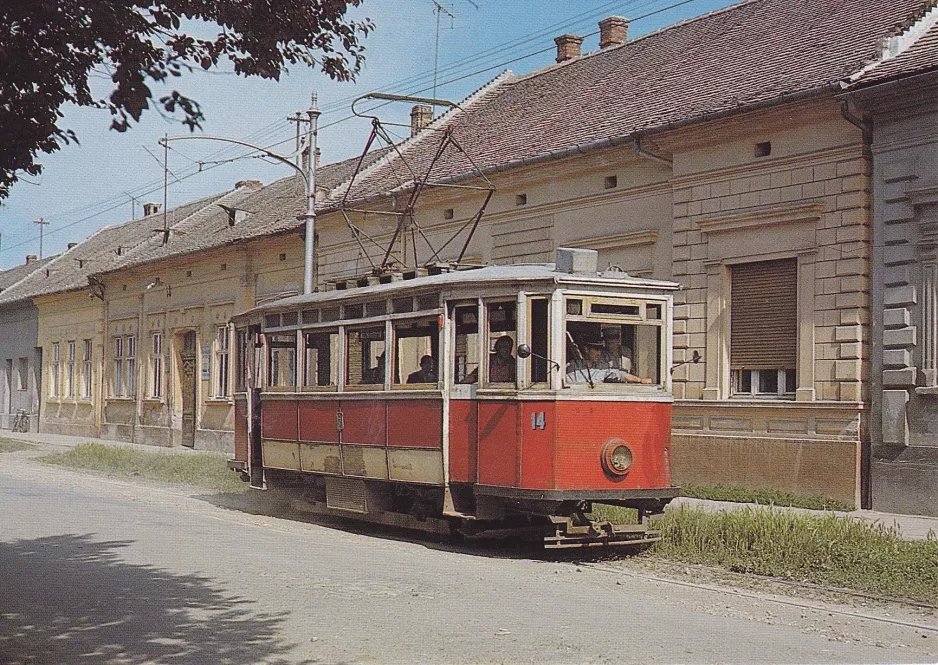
[
  {"x": 449, "y": 213},
  {"x": 611, "y": 182},
  {"x": 311, "y": 316},
  {"x": 521, "y": 199},
  {"x": 428, "y": 301},
  {"x": 377, "y": 308},
  {"x": 330, "y": 314},
  {"x": 272, "y": 321},
  {"x": 354, "y": 311},
  {"x": 402, "y": 305},
  {"x": 764, "y": 149},
  {"x": 289, "y": 318}
]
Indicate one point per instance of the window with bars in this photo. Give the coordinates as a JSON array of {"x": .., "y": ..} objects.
[
  {"x": 764, "y": 328},
  {"x": 221, "y": 362},
  {"x": 55, "y": 368},
  {"x": 70, "y": 369},
  {"x": 86, "y": 373},
  {"x": 156, "y": 366}
]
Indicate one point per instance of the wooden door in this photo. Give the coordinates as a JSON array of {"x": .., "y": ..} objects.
[{"x": 189, "y": 358}]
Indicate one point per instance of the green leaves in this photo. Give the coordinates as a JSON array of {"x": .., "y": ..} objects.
[{"x": 50, "y": 49}]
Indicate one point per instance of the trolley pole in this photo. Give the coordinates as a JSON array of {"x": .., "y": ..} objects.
[{"x": 309, "y": 268}]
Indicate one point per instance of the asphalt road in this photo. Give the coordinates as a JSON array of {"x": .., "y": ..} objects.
[{"x": 99, "y": 571}]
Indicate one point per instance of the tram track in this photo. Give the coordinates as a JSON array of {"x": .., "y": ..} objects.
[{"x": 802, "y": 604}]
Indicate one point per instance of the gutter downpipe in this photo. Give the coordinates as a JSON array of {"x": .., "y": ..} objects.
[
  {"x": 650, "y": 155},
  {"x": 309, "y": 276}
]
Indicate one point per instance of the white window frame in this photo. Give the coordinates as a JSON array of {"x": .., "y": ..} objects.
[
  {"x": 87, "y": 368},
  {"x": 784, "y": 390},
  {"x": 130, "y": 358},
  {"x": 156, "y": 365},
  {"x": 222, "y": 351},
  {"x": 70, "y": 369},
  {"x": 117, "y": 384},
  {"x": 54, "y": 383}
]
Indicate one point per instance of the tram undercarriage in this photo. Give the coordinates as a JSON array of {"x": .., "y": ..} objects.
[{"x": 557, "y": 524}]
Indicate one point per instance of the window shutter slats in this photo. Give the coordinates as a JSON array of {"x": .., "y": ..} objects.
[{"x": 763, "y": 315}]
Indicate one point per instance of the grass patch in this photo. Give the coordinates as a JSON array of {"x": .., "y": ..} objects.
[
  {"x": 207, "y": 470},
  {"x": 8, "y": 445},
  {"x": 826, "y": 550},
  {"x": 762, "y": 497}
]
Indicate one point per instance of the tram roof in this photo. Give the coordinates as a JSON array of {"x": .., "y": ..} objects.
[{"x": 489, "y": 275}]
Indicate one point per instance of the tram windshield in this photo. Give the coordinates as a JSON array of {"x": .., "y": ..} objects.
[{"x": 613, "y": 342}]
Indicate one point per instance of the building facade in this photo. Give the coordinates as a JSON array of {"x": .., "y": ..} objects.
[{"x": 900, "y": 98}]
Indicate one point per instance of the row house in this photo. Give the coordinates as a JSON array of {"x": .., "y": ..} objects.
[
  {"x": 898, "y": 96},
  {"x": 718, "y": 153},
  {"x": 20, "y": 379},
  {"x": 168, "y": 363}
]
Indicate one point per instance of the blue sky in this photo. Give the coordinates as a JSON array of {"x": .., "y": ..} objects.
[{"x": 88, "y": 186}]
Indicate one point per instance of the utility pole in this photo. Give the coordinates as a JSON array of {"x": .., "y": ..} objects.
[
  {"x": 42, "y": 223},
  {"x": 308, "y": 175},
  {"x": 310, "y": 216},
  {"x": 438, "y": 9}
]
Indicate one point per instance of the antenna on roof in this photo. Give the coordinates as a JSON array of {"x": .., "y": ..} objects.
[{"x": 440, "y": 9}]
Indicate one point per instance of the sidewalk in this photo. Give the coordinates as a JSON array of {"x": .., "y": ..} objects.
[
  {"x": 911, "y": 527},
  {"x": 68, "y": 441}
]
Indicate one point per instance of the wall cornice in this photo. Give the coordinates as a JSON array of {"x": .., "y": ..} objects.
[
  {"x": 771, "y": 215},
  {"x": 634, "y": 239}
]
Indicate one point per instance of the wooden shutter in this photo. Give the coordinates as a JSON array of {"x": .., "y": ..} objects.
[{"x": 763, "y": 315}]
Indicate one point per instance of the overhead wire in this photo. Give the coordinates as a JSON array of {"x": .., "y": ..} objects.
[{"x": 455, "y": 67}]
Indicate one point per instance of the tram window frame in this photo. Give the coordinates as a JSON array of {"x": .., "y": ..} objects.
[
  {"x": 491, "y": 341},
  {"x": 334, "y": 366},
  {"x": 400, "y": 375},
  {"x": 286, "y": 342},
  {"x": 350, "y": 333},
  {"x": 650, "y": 315},
  {"x": 465, "y": 373},
  {"x": 538, "y": 371}
]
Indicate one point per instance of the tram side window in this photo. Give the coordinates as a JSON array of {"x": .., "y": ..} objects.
[
  {"x": 365, "y": 353},
  {"x": 608, "y": 353},
  {"x": 466, "y": 348},
  {"x": 321, "y": 365},
  {"x": 281, "y": 360},
  {"x": 502, "y": 341},
  {"x": 416, "y": 352}
]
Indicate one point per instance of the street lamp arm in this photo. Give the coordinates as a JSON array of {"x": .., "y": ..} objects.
[{"x": 269, "y": 153}]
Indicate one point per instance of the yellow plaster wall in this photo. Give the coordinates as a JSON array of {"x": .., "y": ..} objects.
[{"x": 63, "y": 317}]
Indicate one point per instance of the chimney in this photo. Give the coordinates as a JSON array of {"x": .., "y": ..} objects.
[
  {"x": 250, "y": 184},
  {"x": 30, "y": 258},
  {"x": 420, "y": 117},
  {"x": 568, "y": 47},
  {"x": 70, "y": 245},
  {"x": 613, "y": 31},
  {"x": 150, "y": 209}
]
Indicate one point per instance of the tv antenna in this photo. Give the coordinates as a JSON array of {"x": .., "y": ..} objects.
[{"x": 439, "y": 9}]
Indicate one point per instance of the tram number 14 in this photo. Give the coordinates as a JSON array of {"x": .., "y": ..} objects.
[{"x": 538, "y": 421}]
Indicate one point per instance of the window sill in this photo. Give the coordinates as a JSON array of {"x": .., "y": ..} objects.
[
  {"x": 929, "y": 391},
  {"x": 153, "y": 400},
  {"x": 129, "y": 400},
  {"x": 218, "y": 401}
]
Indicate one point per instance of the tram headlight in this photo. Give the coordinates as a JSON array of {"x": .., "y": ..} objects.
[{"x": 616, "y": 458}]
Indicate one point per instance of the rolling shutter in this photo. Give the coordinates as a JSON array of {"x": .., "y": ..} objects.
[{"x": 763, "y": 315}]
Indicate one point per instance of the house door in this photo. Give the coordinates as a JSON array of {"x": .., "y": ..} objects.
[{"x": 189, "y": 358}]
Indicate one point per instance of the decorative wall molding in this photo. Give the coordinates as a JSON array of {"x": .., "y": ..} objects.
[
  {"x": 770, "y": 215},
  {"x": 620, "y": 240}
]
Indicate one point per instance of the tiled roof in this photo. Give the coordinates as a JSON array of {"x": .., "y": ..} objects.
[
  {"x": 270, "y": 209},
  {"x": 756, "y": 52},
  {"x": 919, "y": 57},
  {"x": 11, "y": 276},
  {"x": 69, "y": 271}
]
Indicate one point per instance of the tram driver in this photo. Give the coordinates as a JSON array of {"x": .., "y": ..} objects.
[{"x": 601, "y": 362}]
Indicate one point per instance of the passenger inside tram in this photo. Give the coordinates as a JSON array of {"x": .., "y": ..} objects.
[
  {"x": 595, "y": 354},
  {"x": 426, "y": 373}
]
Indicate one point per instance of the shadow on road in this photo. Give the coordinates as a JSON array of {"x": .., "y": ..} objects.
[{"x": 71, "y": 599}]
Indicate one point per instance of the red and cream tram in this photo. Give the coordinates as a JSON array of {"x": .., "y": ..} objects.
[{"x": 491, "y": 398}]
